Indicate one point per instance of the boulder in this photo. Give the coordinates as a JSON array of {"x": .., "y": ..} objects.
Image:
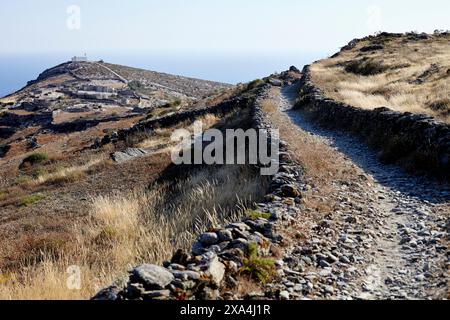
[
  {"x": 152, "y": 276},
  {"x": 108, "y": 294},
  {"x": 289, "y": 190},
  {"x": 127, "y": 155},
  {"x": 216, "y": 271},
  {"x": 225, "y": 235},
  {"x": 208, "y": 238},
  {"x": 276, "y": 82},
  {"x": 198, "y": 249},
  {"x": 158, "y": 294}
]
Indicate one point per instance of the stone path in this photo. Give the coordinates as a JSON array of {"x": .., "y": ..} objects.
[{"x": 389, "y": 240}]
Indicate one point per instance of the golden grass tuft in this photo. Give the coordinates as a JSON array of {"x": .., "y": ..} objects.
[{"x": 69, "y": 174}]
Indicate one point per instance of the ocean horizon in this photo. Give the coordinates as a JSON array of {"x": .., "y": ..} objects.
[{"x": 17, "y": 69}]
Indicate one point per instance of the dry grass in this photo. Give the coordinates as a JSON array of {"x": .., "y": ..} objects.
[
  {"x": 395, "y": 87},
  {"x": 323, "y": 166},
  {"x": 69, "y": 174},
  {"x": 317, "y": 159},
  {"x": 161, "y": 137},
  {"x": 125, "y": 229},
  {"x": 269, "y": 106},
  {"x": 247, "y": 286}
]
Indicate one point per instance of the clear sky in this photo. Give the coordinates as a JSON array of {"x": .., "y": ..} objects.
[
  {"x": 224, "y": 40},
  {"x": 50, "y": 26}
]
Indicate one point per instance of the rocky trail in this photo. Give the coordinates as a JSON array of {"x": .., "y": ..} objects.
[{"x": 387, "y": 240}]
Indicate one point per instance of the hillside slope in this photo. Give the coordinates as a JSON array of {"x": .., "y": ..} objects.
[
  {"x": 404, "y": 72},
  {"x": 90, "y": 97},
  {"x": 87, "y": 180}
]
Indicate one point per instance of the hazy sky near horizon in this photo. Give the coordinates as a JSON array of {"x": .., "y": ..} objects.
[{"x": 77, "y": 26}]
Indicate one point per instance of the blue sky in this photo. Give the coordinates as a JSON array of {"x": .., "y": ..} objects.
[
  {"x": 233, "y": 26},
  {"x": 224, "y": 40}
]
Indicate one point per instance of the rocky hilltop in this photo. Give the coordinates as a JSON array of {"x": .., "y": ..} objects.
[{"x": 80, "y": 96}]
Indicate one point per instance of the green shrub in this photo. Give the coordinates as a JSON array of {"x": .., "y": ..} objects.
[
  {"x": 260, "y": 269},
  {"x": 365, "y": 67},
  {"x": 33, "y": 159},
  {"x": 22, "y": 180},
  {"x": 255, "y": 83},
  {"x": 135, "y": 85},
  {"x": 176, "y": 103},
  {"x": 3, "y": 194},
  {"x": 442, "y": 106},
  {"x": 30, "y": 200},
  {"x": 39, "y": 173},
  {"x": 172, "y": 104},
  {"x": 253, "y": 214},
  {"x": 302, "y": 100}
]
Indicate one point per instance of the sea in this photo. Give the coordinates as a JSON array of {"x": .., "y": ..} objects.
[{"x": 17, "y": 69}]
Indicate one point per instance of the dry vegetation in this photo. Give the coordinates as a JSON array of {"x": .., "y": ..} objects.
[
  {"x": 403, "y": 74},
  {"x": 118, "y": 229},
  {"x": 125, "y": 229},
  {"x": 323, "y": 169}
]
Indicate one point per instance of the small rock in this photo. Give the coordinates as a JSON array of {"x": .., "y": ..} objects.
[
  {"x": 239, "y": 244},
  {"x": 156, "y": 294},
  {"x": 198, "y": 248},
  {"x": 324, "y": 264},
  {"x": 216, "y": 270},
  {"x": 298, "y": 288},
  {"x": 289, "y": 190},
  {"x": 344, "y": 259},
  {"x": 276, "y": 82},
  {"x": 328, "y": 289},
  {"x": 186, "y": 275},
  {"x": 307, "y": 259},
  {"x": 279, "y": 263},
  {"x": 175, "y": 266},
  {"x": 127, "y": 155},
  {"x": 284, "y": 295},
  {"x": 420, "y": 277},
  {"x": 108, "y": 294},
  {"x": 209, "y": 238},
  {"x": 225, "y": 235},
  {"x": 239, "y": 225}
]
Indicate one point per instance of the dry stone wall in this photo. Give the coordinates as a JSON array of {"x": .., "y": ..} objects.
[
  {"x": 217, "y": 256},
  {"x": 416, "y": 141}
]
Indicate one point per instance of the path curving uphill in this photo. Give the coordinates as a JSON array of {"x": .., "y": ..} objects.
[{"x": 387, "y": 236}]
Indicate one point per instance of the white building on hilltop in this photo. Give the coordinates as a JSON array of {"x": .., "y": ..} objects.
[{"x": 80, "y": 59}]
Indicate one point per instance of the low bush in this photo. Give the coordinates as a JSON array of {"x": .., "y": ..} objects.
[
  {"x": 255, "y": 83},
  {"x": 441, "y": 106},
  {"x": 30, "y": 200},
  {"x": 257, "y": 268},
  {"x": 175, "y": 103},
  {"x": 365, "y": 67},
  {"x": 22, "y": 180},
  {"x": 253, "y": 214},
  {"x": 34, "y": 159},
  {"x": 135, "y": 85}
]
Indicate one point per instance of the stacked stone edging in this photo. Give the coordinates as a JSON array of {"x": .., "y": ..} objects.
[
  {"x": 418, "y": 141},
  {"x": 218, "y": 255},
  {"x": 171, "y": 120}
]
